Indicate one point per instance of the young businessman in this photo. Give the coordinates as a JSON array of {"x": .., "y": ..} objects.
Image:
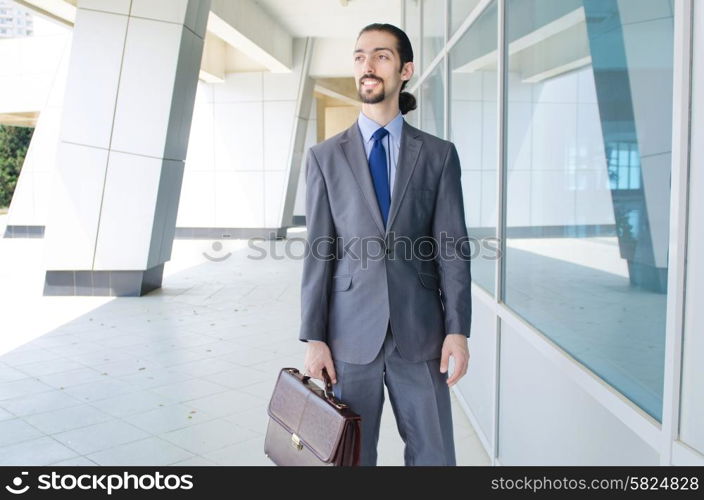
[{"x": 385, "y": 295}]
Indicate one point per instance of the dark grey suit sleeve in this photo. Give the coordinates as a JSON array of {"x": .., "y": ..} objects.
[
  {"x": 450, "y": 233},
  {"x": 319, "y": 253}
]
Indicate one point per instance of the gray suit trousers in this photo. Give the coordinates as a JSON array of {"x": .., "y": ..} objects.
[{"x": 420, "y": 399}]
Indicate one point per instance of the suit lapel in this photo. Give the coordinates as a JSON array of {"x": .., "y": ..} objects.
[
  {"x": 352, "y": 146},
  {"x": 407, "y": 159}
]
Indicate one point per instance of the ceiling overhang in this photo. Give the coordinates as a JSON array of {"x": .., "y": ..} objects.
[{"x": 240, "y": 36}]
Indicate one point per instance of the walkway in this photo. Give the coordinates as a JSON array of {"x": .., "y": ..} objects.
[{"x": 181, "y": 376}]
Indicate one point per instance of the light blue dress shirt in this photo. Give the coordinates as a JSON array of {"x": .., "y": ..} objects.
[{"x": 367, "y": 127}]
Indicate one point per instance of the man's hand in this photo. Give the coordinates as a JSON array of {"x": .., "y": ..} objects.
[
  {"x": 318, "y": 356},
  {"x": 455, "y": 345}
]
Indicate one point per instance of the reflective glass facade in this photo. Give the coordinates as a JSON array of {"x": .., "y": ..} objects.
[{"x": 587, "y": 160}]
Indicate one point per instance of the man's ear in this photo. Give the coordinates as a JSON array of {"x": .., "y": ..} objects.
[{"x": 412, "y": 68}]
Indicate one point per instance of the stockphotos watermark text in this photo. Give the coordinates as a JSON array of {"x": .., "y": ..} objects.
[
  {"x": 369, "y": 248},
  {"x": 109, "y": 483}
]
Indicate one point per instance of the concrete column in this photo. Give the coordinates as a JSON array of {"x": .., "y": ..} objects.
[{"x": 126, "y": 120}]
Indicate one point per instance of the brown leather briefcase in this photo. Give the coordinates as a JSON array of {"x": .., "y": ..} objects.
[{"x": 308, "y": 425}]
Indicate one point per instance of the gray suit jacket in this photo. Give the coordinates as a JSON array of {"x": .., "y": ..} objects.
[{"x": 358, "y": 276}]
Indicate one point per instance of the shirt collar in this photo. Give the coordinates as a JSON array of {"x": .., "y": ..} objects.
[{"x": 367, "y": 127}]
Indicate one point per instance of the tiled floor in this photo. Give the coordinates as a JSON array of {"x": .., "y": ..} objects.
[{"x": 181, "y": 376}]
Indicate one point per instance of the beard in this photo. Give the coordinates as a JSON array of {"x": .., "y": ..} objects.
[{"x": 371, "y": 96}]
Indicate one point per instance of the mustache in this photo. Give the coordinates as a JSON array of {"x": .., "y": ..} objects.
[{"x": 369, "y": 78}]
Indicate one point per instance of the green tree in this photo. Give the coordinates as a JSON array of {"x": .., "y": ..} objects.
[{"x": 14, "y": 142}]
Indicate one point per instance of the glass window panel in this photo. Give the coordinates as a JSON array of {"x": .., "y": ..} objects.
[
  {"x": 413, "y": 117},
  {"x": 473, "y": 80},
  {"x": 459, "y": 10},
  {"x": 412, "y": 29},
  {"x": 433, "y": 30},
  {"x": 588, "y": 158},
  {"x": 411, "y": 24},
  {"x": 432, "y": 110}
]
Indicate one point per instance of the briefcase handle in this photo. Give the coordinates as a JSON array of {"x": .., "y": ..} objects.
[
  {"x": 328, "y": 384},
  {"x": 328, "y": 387}
]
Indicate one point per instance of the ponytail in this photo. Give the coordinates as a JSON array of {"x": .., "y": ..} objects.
[{"x": 406, "y": 102}]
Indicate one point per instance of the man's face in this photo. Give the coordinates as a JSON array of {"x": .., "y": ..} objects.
[{"x": 377, "y": 67}]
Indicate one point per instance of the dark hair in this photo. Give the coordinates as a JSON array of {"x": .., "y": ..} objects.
[{"x": 406, "y": 100}]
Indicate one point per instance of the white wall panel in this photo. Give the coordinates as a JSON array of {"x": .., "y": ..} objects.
[
  {"x": 145, "y": 97},
  {"x": 114, "y": 6},
  {"x": 197, "y": 204},
  {"x": 239, "y": 87},
  {"x": 274, "y": 192},
  {"x": 238, "y": 136},
  {"x": 239, "y": 198},
  {"x": 72, "y": 223},
  {"x": 279, "y": 120},
  {"x": 477, "y": 386},
  {"x": 545, "y": 418},
  {"x": 89, "y": 103},
  {"x": 127, "y": 212}
]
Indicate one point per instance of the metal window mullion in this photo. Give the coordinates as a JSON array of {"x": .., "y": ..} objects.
[
  {"x": 420, "y": 64},
  {"x": 446, "y": 79},
  {"x": 468, "y": 23},
  {"x": 404, "y": 26},
  {"x": 501, "y": 101},
  {"x": 677, "y": 253},
  {"x": 500, "y": 210}
]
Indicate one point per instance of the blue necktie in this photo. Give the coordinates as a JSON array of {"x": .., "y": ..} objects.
[{"x": 378, "y": 169}]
